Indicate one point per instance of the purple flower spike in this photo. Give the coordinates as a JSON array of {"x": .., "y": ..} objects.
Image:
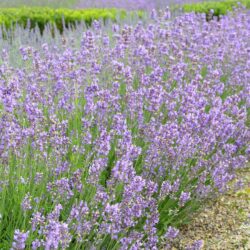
[
  {"x": 184, "y": 198},
  {"x": 19, "y": 240},
  {"x": 172, "y": 233}
]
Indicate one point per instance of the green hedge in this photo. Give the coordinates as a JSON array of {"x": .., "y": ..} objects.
[
  {"x": 219, "y": 8},
  {"x": 42, "y": 15}
]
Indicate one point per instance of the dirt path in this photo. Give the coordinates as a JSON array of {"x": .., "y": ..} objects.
[{"x": 224, "y": 224}]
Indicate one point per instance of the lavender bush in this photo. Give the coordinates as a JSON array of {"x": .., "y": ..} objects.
[{"x": 114, "y": 143}]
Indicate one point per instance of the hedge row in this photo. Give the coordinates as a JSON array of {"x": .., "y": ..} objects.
[
  {"x": 42, "y": 15},
  {"x": 219, "y": 8}
]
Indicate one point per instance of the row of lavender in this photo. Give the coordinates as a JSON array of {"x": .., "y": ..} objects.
[
  {"x": 125, "y": 4},
  {"x": 131, "y": 4},
  {"x": 114, "y": 144}
]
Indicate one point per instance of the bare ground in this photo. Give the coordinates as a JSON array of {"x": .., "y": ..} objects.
[{"x": 224, "y": 223}]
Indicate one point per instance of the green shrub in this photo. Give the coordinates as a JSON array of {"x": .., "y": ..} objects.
[
  {"x": 219, "y": 8},
  {"x": 42, "y": 16}
]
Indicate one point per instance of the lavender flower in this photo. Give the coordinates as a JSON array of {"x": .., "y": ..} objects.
[
  {"x": 172, "y": 233},
  {"x": 197, "y": 245},
  {"x": 184, "y": 198},
  {"x": 19, "y": 240},
  {"x": 26, "y": 203}
]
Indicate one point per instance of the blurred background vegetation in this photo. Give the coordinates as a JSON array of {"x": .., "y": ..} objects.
[{"x": 131, "y": 4}]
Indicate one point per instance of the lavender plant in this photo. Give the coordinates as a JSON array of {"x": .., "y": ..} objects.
[{"x": 114, "y": 143}]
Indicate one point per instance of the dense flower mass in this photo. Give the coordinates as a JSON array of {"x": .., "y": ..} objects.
[{"x": 113, "y": 144}]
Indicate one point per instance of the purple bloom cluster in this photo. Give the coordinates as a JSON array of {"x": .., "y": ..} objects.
[
  {"x": 197, "y": 245},
  {"x": 172, "y": 233},
  {"x": 19, "y": 240},
  {"x": 125, "y": 130}
]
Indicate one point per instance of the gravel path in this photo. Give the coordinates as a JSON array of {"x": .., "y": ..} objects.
[{"x": 224, "y": 223}]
